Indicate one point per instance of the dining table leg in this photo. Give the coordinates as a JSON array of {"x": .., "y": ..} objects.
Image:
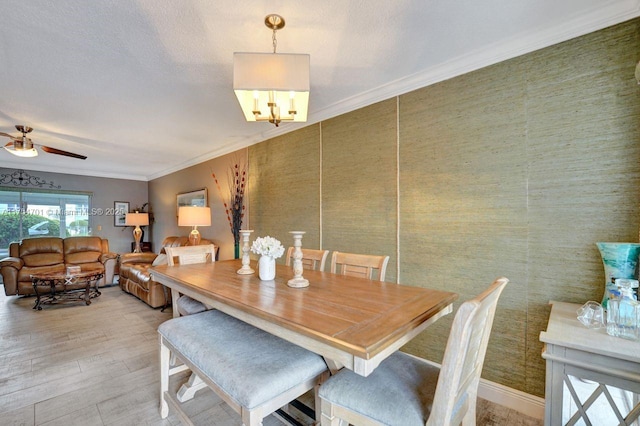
[{"x": 333, "y": 366}]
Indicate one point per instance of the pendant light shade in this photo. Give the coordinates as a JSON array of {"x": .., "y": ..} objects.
[
  {"x": 272, "y": 87},
  {"x": 280, "y": 78}
]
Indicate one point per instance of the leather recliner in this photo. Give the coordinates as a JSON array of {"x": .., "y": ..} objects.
[{"x": 135, "y": 277}]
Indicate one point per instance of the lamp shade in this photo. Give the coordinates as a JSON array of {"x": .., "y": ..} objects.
[
  {"x": 137, "y": 219},
  {"x": 260, "y": 78},
  {"x": 194, "y": 216}
]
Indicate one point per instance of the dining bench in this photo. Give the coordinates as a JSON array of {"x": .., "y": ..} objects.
[{"x": 253, "y": 371}]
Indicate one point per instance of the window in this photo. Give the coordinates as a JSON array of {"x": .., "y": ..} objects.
[{"x": 33, "y": 214}]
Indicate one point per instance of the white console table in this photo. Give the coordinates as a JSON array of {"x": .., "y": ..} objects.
[{"x": 571, "y": 349}]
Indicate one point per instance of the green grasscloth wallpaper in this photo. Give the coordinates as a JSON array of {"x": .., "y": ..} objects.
[
  {"x": 283, "y": 185},
  {"x": 513, "y": 170}
]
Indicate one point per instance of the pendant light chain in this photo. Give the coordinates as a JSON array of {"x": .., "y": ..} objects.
[
  {"x": 275, "y": 23},
  {"x": 273, "y": 39}
]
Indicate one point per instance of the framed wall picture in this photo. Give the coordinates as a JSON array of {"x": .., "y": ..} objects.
[
  {"x": 120, "y": 210},
  {"x": 193, "y": 198}
]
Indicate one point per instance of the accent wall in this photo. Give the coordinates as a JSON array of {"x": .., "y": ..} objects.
[{"x": 514, "y": 170}]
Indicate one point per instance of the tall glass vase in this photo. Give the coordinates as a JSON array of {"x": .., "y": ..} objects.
[
  {"x": 620, "y": 260},
  {"x": 236, "y": 249}
]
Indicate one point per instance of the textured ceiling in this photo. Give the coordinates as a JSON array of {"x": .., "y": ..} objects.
[{"x": 144, "y": 87}]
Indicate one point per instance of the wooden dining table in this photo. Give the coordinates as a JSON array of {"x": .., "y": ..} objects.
[{"x": 352, "y": 322}]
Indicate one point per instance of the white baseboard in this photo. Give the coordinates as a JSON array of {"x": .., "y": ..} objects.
[{"x": 530, "y": 405}]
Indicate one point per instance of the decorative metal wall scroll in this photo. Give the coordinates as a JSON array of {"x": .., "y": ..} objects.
[{"x": 22, "y": 178}]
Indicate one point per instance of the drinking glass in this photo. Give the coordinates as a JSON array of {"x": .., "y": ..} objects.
[
  {"x": 623, "y": 318},
  {"x": 591, "y": 315}
]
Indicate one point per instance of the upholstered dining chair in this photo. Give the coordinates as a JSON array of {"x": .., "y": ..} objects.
[
  {"x": 185, "y": 255},
  {"x": 311, "y": 258},
  {"x": 406, "y": 390},
  {"x": 359, "y": 265},
  {"x": 191, "y": 254}
]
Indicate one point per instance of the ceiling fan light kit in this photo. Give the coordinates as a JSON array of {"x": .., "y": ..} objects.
[
  {"x": 23, "y": 146},
  {"x": 272, "y": 87},
  {"x": 14, "y": 149}
]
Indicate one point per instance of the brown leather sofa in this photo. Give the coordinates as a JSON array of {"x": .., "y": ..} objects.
[
  {"x": 53, "y": 255},
  {"x": 136, "y": 279}
]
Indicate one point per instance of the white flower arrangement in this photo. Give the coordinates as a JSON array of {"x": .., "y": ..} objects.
[{"x": 267, "y": 246}]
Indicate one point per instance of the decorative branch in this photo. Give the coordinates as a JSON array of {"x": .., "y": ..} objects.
[{"x": 234, "y": 203}]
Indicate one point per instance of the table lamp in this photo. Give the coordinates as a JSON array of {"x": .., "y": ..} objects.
[
  {"x": 137, "y": 219},
  {"x": 194, "y": 216}
]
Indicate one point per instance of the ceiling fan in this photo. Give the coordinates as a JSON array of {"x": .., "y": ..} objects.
[{"x": 22, "y": 146}]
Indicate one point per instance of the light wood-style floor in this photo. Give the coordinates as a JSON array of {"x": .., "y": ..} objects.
[{"x": 84, "y": 365}]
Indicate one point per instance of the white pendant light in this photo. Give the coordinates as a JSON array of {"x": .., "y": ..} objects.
[{"x": 272, "y": 87}]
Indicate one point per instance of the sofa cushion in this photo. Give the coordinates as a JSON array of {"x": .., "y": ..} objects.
[
  {"x": 140, "y": 274},
  {"x": 25, "y": 273},
  {"x": 88, "y": 266},
  {"x": 79, "y": 250},
  {"x": 42, "y": 251}
]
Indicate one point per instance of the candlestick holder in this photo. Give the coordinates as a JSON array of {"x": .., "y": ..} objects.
[
  {"x": 298, "y": 281},
  {"x": 246, "y": 268}
]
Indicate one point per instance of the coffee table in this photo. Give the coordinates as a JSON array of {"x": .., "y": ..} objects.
[{"x": 62, "y": 287}]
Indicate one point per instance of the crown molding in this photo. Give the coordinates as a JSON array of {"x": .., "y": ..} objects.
[
  {"x": 69, "y": 171},
  {"x": 614, "y": 13},
  {"x": 223, "y": 150},
  {"x": 611, "y": 14}
]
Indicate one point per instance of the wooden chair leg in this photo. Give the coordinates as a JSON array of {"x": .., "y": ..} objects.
[
  {"x": 250, "y": 418},
  {"x": 189, "y": 389},
  {"x": 327, "y": 417},
  {"x": 317, "y": 404},
  {"x": 165, "y": 355},
  {"x": 469, "y": 418},
  {"x": 317, "y": 400}
]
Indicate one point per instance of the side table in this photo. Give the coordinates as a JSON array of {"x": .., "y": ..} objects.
[
  {"x": 62, "y": 287},
  {"x": 144, "y": 246},
  {"x": 572, "y": 350}
]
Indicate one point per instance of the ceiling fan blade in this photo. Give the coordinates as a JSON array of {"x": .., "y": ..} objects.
[
  {"x": 61, "y": 152},
  {"x": 7, "y": 135}
]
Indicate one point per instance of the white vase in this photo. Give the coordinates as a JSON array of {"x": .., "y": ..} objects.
[{"x": 267, "y": 268}]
